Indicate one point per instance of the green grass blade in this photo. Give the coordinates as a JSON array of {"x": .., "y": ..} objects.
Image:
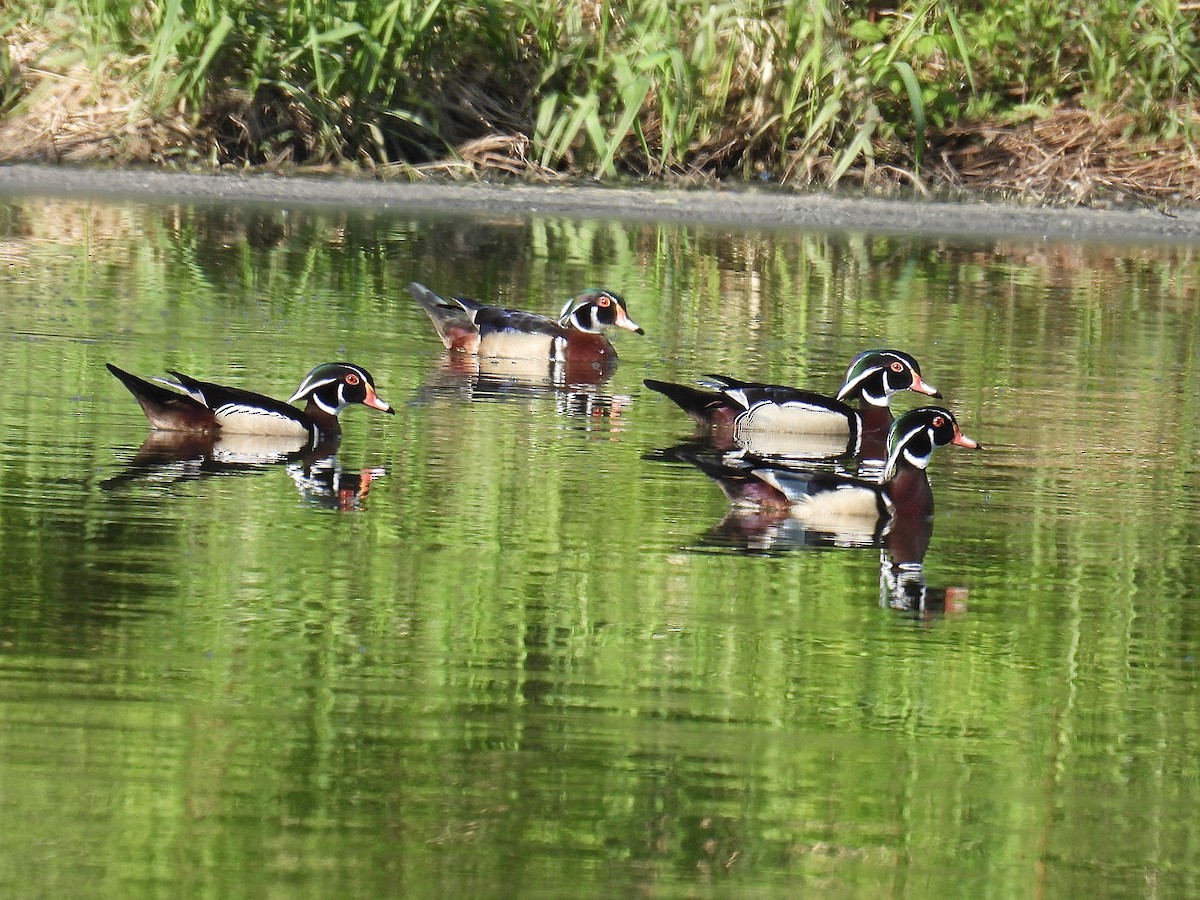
[
  {"x": 960, "y": 41},
  {"x": 859, "y": 146},
  {"x": 633, "y": 97},
  {"x": 909, "y": 77},
  {"x": 216, "y": 38}
]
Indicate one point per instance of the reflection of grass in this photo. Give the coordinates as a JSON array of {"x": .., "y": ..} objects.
[
  {"x": 796, "y": 92},
  {"x": 515, "y": 618}
]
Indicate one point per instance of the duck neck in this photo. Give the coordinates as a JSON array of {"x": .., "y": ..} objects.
[
  {"x": 325, "y": 422},
  {"x": 910, "y": 493},
  {"x": 876, "y": 423}
]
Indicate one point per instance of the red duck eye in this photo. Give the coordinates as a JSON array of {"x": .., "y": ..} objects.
[
  {"x": 351, "y": 378},
  {"x": 938, "y": 421},
  {"x": 897, "y": 367},
  {"x": 604, "y": 301}
]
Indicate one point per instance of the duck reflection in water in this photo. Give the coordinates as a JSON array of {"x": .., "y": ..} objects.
[
  {"x": 324, "y": 484},
  {"x": 903, "y": 586},
  {"x": 170, "y": 457},
  {"x": 533, "y": 373},
  {"x": 574, "y": 392},
  {"x": 778, "y": 507}
]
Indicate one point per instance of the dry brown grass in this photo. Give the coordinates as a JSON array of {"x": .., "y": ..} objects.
[
  {"x": 74, "y": 112},
  {"x": 1073, "y": 155},
  {"x": 494, "y": 154}
]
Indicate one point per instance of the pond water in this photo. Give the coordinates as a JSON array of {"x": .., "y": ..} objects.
[{"x": 503, "y": 643}]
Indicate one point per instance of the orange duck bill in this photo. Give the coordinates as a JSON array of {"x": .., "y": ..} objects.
[
  {"x": 963, "y": 441},
  {"x": 924, "y": 387}
]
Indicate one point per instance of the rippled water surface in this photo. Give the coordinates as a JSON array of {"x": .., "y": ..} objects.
[{"x": 505, "y": 643}]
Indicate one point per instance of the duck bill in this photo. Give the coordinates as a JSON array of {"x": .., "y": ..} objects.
[
  {"x": 373, "y": 400},
  {"x": 963, "y": 441},
  {"x": 924, "y": 387},
  {"x": 623, "y": 321}
]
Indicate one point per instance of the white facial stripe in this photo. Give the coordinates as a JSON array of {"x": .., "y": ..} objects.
[
  {"x": 901, "y": 448},
  {"x": 307, "y": 386},
  {"x": 851, "y": 386},
  {"x": 590, "y": 327}
]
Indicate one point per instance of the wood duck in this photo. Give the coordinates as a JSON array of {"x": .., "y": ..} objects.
[
  {"x": 847, "y": 510},
  {"x": 825, "y": 500},
  {"x": 575, "y": 338},
  {"x": 772, "y": 419},
  {"x": 208, "y": 408}
]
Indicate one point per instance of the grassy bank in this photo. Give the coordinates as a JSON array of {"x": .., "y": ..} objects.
[{"x": 1054, "y": 98}]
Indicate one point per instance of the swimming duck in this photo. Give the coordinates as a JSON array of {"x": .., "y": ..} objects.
[
  {"x": 207, "y": 407},
  {"x": 849, "y": 510},
  {"x": 576, "y": 336},
  {"x": 772, "y": 419}
]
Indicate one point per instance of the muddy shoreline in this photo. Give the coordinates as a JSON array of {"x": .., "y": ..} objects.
[{"x": 750, "y": 208}]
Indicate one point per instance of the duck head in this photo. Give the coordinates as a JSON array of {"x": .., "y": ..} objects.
[
  {"x": 597, "y": 309},
  {"x": 917, "y": 433},
  {"x": 331, "y": 387},
  {"x": 874, "y": 375}
]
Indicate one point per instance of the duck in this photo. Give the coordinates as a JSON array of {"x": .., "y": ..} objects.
[
  {"x": 207, "y": 408},
  {"x": 844, "y": 509},
  {"x": 777, "y": 420},
  {"x": 576, "y": 337}
]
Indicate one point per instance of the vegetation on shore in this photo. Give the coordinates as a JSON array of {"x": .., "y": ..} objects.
[{"x": 1054, "y": 99}]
